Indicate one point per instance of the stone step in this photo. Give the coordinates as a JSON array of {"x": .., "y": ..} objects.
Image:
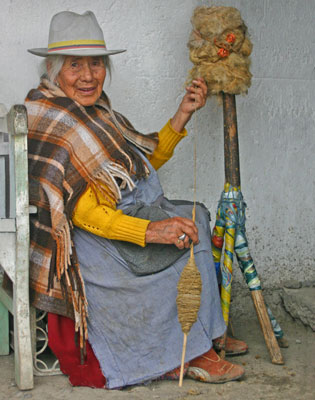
[{"x": 300, "y": 304}]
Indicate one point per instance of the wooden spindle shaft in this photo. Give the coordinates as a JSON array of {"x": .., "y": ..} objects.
[{"x": 183, "y": 361}]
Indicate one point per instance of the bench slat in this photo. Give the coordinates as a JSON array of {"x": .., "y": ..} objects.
[{"x": 7, "y": 225}]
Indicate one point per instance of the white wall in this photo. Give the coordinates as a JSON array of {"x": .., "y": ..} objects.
[{"x": 276, "y": 119}]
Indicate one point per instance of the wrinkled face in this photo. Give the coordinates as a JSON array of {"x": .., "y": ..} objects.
[{"x": 82, "y": 78}]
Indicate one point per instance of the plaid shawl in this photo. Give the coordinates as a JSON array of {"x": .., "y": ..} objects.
[{"x": 70, "y": 147}]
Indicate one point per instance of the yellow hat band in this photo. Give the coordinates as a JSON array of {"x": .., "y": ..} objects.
[{"x": 76, "y": 44}]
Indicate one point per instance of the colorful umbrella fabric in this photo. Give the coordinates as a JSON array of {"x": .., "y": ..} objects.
[{"x": 230, "y": 229}]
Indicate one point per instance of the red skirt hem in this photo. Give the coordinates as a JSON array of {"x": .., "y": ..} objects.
[{"x": 61, "y": 340}]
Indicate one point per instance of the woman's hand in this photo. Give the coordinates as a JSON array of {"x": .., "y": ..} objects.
[
  {"x": 169, "y": 230},
  {"x": 194, "y": 99}
]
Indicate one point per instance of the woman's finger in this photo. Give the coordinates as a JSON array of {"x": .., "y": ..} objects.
[
  {"x": 186, "y": 242},
  {"x": 197, "y": 100},
  {"x": 191, "y": 232},
  {"x": 169, "y": 230},
  {"x": 198, "y": 93},
  {"x": 180, "y": 244},
  {"x": 200, "y": 82},
  {"x": 183, "y": 243}
]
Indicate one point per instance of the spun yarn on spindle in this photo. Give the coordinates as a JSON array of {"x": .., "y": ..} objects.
[
  {"x": 188, "y": 297},
  {"x": 219, "y": 49}
]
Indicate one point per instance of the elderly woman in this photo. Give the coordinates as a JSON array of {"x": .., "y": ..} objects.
[{"x": 107, "y": 248}]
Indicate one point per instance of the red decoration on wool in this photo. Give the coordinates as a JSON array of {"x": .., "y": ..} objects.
[
  {"x": 223, "y": 53},
  {"x": 230, "y": 38}
]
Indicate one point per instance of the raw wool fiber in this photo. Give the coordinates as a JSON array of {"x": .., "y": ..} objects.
[{"x": 220, "y": 48}]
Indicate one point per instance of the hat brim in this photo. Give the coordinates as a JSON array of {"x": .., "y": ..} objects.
[{"x": 43, "y": 52}]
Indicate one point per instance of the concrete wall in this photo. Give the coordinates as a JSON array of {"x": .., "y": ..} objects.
[{"x": 276, "y": 119}]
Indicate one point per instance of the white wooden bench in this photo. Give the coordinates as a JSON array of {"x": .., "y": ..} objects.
[{"x": 29, "y": 332}]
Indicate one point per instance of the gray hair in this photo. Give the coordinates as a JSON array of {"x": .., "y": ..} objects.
[{"x": 56, "y": 63}]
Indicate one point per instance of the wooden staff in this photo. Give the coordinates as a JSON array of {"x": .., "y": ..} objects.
[
  {"x": 232, "y": 176},
  {"x": 231, "y": 151}
]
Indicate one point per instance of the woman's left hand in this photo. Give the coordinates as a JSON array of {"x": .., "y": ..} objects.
[{"x": 194, "y": 99}]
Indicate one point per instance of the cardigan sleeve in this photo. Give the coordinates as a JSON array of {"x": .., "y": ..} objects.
[
  {"x": 94, "y": 214},
  {"x": 168, "y": 140}
]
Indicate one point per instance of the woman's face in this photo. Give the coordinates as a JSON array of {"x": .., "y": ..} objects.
[{"x": 82, "y": 78}]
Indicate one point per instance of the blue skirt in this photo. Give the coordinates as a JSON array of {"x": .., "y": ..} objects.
[{"x": 132, "y": 325}]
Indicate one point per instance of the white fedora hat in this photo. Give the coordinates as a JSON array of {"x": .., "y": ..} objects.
[{"x": 74, "y": 34}]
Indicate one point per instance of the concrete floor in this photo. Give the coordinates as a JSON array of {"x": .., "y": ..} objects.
[{"x": 263, "y": 380}]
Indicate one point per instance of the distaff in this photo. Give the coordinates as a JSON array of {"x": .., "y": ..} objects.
[
  {"x": 220, "y": 48},
  {"x": 232, "y": 210}
]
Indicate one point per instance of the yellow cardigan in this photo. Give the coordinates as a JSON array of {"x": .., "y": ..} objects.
[{"x": 94, "y": 214}]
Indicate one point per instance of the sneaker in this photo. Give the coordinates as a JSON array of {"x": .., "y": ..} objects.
[
  {"x": 233, "y": 347},
  {"x": 210, "y": 368}
]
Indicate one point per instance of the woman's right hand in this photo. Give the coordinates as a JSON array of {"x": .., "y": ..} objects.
[
  {"x": 194, "y": 99},
  {"x": 169, "y": 230}
]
